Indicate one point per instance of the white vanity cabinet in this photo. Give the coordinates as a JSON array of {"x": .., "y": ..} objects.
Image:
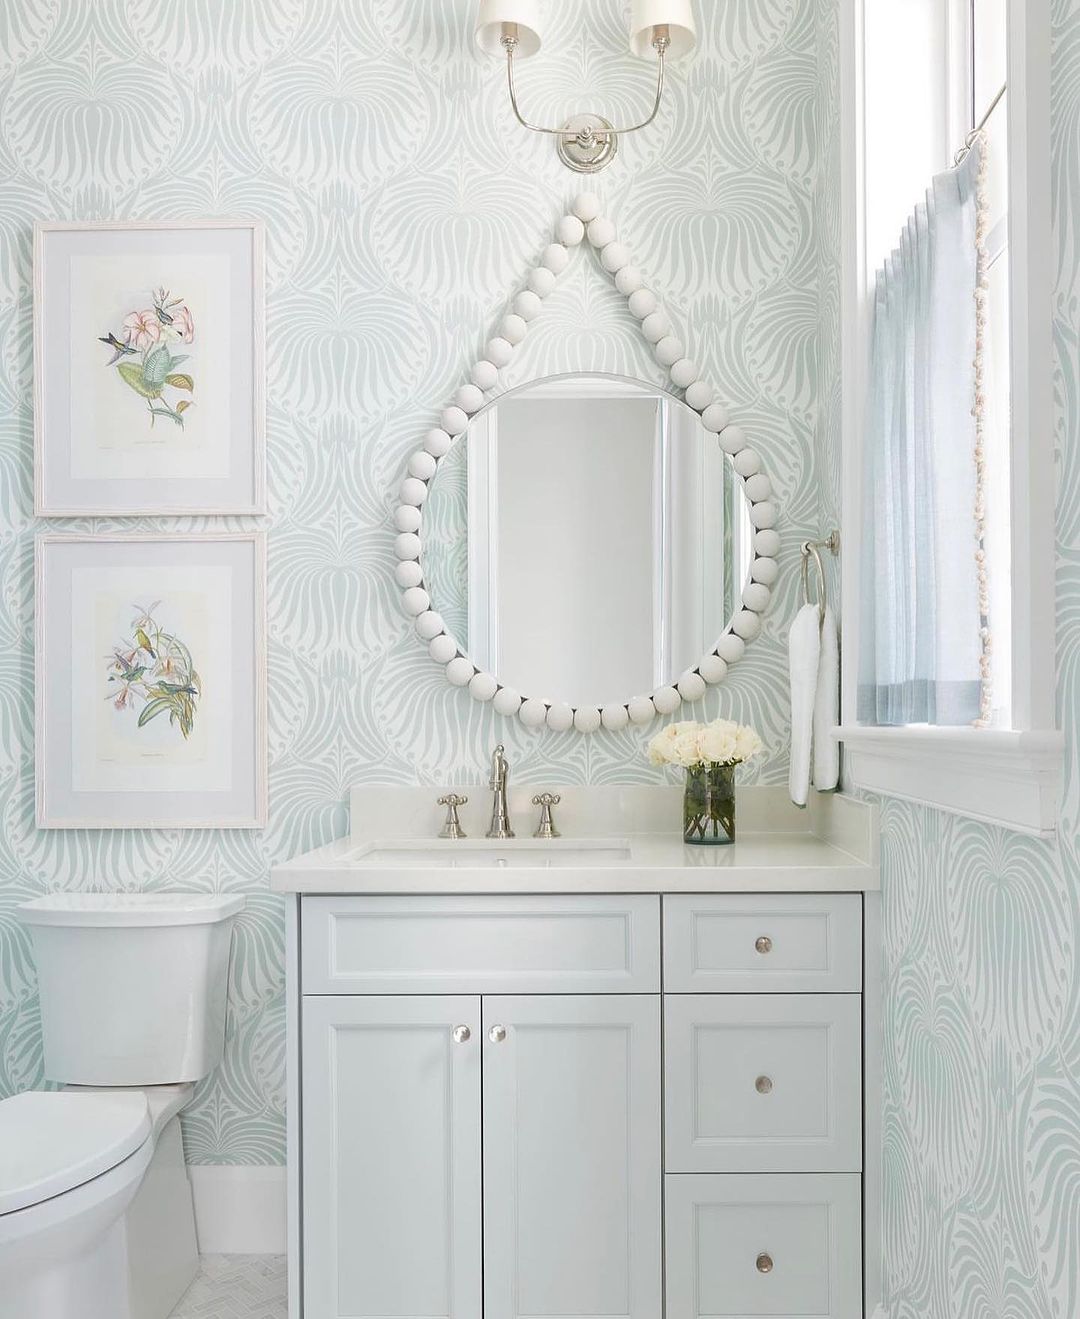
[{"x": 636, "y": 1105}]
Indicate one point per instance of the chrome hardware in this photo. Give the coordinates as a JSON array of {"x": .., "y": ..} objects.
[
  {"x": 497, "y": 1034},
  {"x": 462, "y": 1034},
  {"x": 452, "y": 828},
  {"x": 763, "y": 1085},
  {"x": 763, "y": 944},
  {"x": 500, "y": 816},
  {"x": 546, "y": 827},
  {"x": 764, "y": 1263}
]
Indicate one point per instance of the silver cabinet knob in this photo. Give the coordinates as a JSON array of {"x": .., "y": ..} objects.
[
  {"x": 763, "y": 1085},
  {"x": 462, "y": 1034},
  {"x": 497, "y": 1034},
  {"x": 763, "y": 944},
  {"x": 764, "y": 1263}
]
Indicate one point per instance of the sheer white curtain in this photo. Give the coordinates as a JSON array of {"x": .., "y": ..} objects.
[{"x": 921, "y": 642}]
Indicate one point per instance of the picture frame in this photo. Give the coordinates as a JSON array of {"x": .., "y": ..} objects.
[
  {"x": 149, "y": 368},
  {"x": 150, "y": 680}
]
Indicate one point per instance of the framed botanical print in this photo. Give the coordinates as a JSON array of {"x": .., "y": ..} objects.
[
  {"x": 151, "y": 681},
  {"x": 148, "y": 368}
]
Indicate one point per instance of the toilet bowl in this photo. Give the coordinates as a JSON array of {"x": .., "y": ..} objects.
[{"x": 96, "y": 1216}]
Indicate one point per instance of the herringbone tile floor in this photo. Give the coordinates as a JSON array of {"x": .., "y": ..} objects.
[{"x": 236, "y": 1287}]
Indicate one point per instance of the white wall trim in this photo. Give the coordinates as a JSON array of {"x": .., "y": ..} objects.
[{"x": 239, "y": 1210}]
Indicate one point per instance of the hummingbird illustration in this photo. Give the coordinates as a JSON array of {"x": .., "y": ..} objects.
[{"x": 120, "y": 349}]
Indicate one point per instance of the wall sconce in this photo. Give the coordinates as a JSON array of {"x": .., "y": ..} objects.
[{"x": 586, "y": 142}]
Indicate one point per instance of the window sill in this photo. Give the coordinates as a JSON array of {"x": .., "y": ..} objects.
[{"x": 1003, "y": 777}]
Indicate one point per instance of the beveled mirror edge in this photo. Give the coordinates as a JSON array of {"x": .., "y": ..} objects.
[{"x": 584, "y": 220}]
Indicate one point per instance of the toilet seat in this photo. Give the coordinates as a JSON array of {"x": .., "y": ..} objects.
[{"x": 53, "y": 1142}]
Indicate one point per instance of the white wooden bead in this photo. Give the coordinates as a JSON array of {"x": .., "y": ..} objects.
[
  {"x": 484, "y": 374},
  {"x": 758, "y": 487},
  {"x": 560, "y": 717},
  {"x": 460, "y": 671},
  {"x": 755, "y": 597},
  {"x": 627, "y": 281},
  {"x": 541, "y": 281},
  {"x": 614, "y": 717},
  {"x": 407, "y": 517},
  {"x": 731, "y": 439},
  {"x": 601, "y": 232},
  {"x": 416, "y": 601},
  {"x": 507, "y": 701},
  {"x": 556, "y": 258},
  {"x": 715, "y": 417},
  {"x": 615, "y": 256},
  {"x": 764, "y": 570},
  {"x": 587, "y": 719},
  {"x": 513, "y": 328},
  {"x": 443, "y": 648},
  {"x": 691, "y": 686},
  {"x": 407, "y": 545},
  {"x": 570, "y": 230},
  {"x": 669, "y": 350},
  {"x": 586, "y": 206},
  {"x": 730, "y": 648},
  {"x": 767, "y": 542},
  {"x": 412, "y": 491},
  {"x": 764, "y": 514},
  {"x": 500, "y": 351},
  {"x": 746, "y": 462},
  {"x": 656, "y": 326},
  {"x": 454, "y": 420},
  {"x": 684, "y": 373},
  {"x": 468, "y": 398},
  {"x": 430, "y": 625},
  {"x": 482, "y": 686},
  {"x": 422, "y": 465},
  {"x": 641, "y": 709},
  {"x": 666, "y": 699},
  {"x": 746, "y": 624},
  {"x": 533, "y": 713},
  {"x": 408, "y": 573},
  {"x": 642, "y": 302},
  {"x": 713, "y": 669},
  {"x": 699, "y": 395},
  {"x": 437, "y": 442},
  {"x": 527, "y": 305}
]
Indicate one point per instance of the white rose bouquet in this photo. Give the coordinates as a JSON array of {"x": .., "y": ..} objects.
[{"x": 709, "y": 754}]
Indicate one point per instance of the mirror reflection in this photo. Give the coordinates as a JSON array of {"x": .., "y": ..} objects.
[{"x": 586, "y": 540}]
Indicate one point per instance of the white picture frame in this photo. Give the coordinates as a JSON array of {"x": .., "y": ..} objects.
[
  {"x": 119, "y": 431},
  {"x": 132, "y": 622}
]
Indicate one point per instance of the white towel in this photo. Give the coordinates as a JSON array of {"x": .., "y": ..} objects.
[
  {"x": 827, "y": 707},
  {"x": 804, "y": 653}
]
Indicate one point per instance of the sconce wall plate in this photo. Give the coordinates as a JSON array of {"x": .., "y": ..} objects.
[{"x": 587, "y": 143}]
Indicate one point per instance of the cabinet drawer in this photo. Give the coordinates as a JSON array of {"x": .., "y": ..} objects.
[
  {"x": 467, "y": 945},
  {"x": 763, "y": 944},
  {"x": 762, "y": 1083},
  {"x": 783, "y": 1246}
]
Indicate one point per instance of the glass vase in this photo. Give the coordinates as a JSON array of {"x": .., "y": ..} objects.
[{"x": 709, "y": 805}]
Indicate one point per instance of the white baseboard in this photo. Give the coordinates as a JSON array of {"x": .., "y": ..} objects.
[{"x": 239, "y": 1210}]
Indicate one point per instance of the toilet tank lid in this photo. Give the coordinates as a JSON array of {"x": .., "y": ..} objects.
[
  {"x": 83, "y": 909},
  {"x": 51, "y": 1142}
]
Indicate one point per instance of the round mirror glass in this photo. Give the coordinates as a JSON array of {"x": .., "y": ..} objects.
[{"x": 586, "y": 539}]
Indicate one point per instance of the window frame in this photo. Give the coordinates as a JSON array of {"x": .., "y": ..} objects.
[{"x": 1009, "y": 777}]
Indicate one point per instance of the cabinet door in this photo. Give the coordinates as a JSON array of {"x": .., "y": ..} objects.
[
  {"x": 572, "y": 1178},
  {"x": 392, "y": 1212}
]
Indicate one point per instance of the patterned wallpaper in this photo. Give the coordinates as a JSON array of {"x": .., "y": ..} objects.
[
  {"x": 982, "y": 957},
  {"x": 402, "y": 206}
]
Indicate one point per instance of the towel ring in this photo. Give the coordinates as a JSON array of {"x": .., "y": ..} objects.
[{"x": 808, "y": 550}]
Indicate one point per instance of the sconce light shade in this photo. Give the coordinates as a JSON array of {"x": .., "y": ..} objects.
[
  {"x": 677, "y": 15},
  {"x": 494, "y": 15}
]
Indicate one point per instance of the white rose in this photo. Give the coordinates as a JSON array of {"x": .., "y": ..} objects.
[
  {"x": 717, "y": 744},
  {"x": 747, "y": 743},
  {"x": 661, "y": 748},
  {"x": 686, "y": 748}
]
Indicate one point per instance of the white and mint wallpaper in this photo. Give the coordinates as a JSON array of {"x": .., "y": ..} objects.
[
  {"x": 402, "y": 207},
  {"x": 982, "y": 956}
]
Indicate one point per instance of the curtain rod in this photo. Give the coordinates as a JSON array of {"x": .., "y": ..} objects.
[{"x": 993, "y": 106}]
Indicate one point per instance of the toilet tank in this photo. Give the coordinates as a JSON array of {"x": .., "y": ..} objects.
[{"x": 132, "y": 985}]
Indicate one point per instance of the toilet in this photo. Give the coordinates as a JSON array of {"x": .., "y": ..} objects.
[{"x": 96, "y": 1216}]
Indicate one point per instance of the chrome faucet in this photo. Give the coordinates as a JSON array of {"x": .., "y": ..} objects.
[{"x": 500, "y": 817}]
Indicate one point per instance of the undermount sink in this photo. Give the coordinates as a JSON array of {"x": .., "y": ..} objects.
[{"x": 495, "y": 852}]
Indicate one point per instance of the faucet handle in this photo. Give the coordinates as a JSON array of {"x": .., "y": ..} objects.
[
  {"x": 452, "y": 828},
  {"x": 546, "y": 827}
]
